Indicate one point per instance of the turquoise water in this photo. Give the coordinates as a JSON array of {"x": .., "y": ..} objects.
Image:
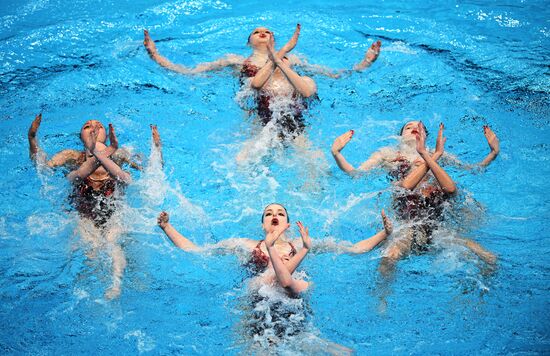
[{"x": 464, "y": 63}]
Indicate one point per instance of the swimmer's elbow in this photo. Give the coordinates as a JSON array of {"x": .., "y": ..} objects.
[
  {"x": 125, "y": 178},
  {"x": 308, "y": 93},
  {"x": 451, "y": 189}
]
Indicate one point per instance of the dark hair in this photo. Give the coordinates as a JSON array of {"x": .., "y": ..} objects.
[
  {"x": 403, "y": 128},
  {"x": 287, "y": 217}
]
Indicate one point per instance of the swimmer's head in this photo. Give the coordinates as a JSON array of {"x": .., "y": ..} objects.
[
  {"x": 274, "y": 215},
  {"x": 91, "y": 125},
  {"x": 409, "y": 130},
  {"x": 260, "y": 36}
]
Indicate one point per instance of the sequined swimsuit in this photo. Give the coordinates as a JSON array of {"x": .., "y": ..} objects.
[
  {"x": 289, "y": 122},
  {"x": 423, "y": 208},
  {"x": 96, "y": 205}
]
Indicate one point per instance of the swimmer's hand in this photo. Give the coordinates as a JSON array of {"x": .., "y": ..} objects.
[
  {"x": 370, "y": 57},
  {"x": 274, "y": 233},
  {"x": 90, "y": 140},
  {"x": 341, "y": 142},
  {"x": 149, "y": 43},
  {"x": 35, "y": 125},
  {"x": 156, "y": 136},
  {"x": 163, "y": 220},
  {"x": 304, "y": 233},
  {"x": 373, "y": 52},
  {"x": 388, "y": 226},
  {"x": 440, "y": 143},
  {"x": 33, "y": 144},
  {"x": 492, "y": 140},
  {"x": 113, "y": 141},
  {"x": 421, "y": 139}
]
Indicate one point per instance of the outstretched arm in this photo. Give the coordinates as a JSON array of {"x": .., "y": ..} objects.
[
  {"x": 222, "y": 247},
  {"x": 444, "y": 180},
  {"x": 338, "y": 145},
  {"x": 229, "y": 60},
  {"x": 281, "y": 271},
  {"x": 178, "y": 239},
  {"x": 370, "y": 243},
  {"x": 370, "y": 57},
  {"x": 306, "y": 247},
  {"x": 366, "y": 245}
]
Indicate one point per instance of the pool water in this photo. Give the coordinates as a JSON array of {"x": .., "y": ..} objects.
[{"x": 464, "y": 63}]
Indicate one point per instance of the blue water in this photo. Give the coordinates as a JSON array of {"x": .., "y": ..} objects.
[{"x": 464, "y": 63}]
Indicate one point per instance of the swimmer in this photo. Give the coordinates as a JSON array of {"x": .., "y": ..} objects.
[
  {"x": 269, "y": 73},
  {"x": 98, "y": 181},
  {"x": 422, "y": 188},
  {"x": 274, "y": 259}
]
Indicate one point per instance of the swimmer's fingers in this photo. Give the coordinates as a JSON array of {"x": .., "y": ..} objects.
[
  {"x": 388, "y": 226},
  {"x": 35, "y": 125}
]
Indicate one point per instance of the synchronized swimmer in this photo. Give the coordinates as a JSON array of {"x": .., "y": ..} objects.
[
  {"x": 421, "y": 186},
  {"x": 98, "y": 183}
]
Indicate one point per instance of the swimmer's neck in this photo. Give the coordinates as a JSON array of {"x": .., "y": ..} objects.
[{"x": 260, "y": 52}]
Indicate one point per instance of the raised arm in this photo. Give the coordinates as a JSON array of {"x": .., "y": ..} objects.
[
  {"x": 282, "y": 273},
  {"x": 338, "y": 145},
  {"x": 419, "y": 172},
  {"x": 306, "y": 247},
  {"x": 33, "y": 142},
  {"x": 303, "y": 85},
  {"x": 62, "y": 158},
  {"x": 230, "y": 60},
  {"x": 444, "y": 180},
  {"x": 494, "y": 145},
  {"x": 370, "y": 243},
  {"x": 178, "y": 239},
  {"x": 156, "y": 141},
  {"x": 289, "y": 46}
]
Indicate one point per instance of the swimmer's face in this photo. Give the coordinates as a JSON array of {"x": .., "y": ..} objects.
[
  {"x": 274, "y": 215},
  {"x": 410, "y": 130},
  {"x": 92, "y": 125},
  {"x": 260, "y": 36}
]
